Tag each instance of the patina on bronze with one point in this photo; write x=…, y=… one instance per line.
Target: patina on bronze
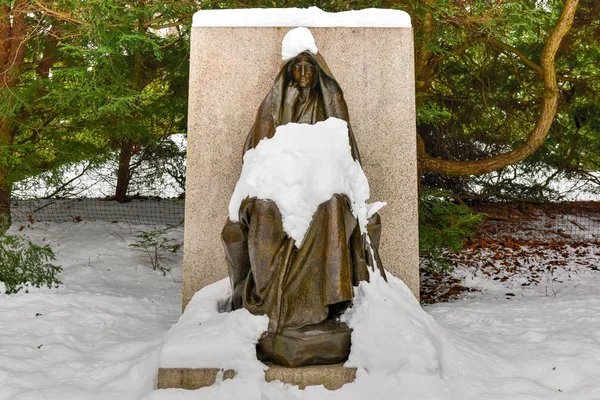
x=302, y=290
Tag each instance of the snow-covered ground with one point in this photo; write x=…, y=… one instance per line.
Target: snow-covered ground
x=100, y=334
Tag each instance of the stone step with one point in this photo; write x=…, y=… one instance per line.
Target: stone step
x=332, y=376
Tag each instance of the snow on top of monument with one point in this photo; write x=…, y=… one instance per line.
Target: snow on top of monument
x=299, y=168
x=296, y=41
x=309, y=17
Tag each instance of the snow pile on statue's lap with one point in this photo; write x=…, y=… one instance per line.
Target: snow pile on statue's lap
x=299, y=168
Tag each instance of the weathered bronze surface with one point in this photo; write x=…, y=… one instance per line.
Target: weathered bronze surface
x=302, y=291
x=324, y=343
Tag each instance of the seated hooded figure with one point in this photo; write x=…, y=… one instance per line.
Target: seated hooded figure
x=302, y=290
x=304, y=92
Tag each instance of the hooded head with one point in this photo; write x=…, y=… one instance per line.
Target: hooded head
x=301, y=68
x=330, y=95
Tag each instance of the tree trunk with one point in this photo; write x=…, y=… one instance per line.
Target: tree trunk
x=4, y=124
x=5, y=186
x=4, y=201
x=124, y=172
x=13, y=35
x=539, y=133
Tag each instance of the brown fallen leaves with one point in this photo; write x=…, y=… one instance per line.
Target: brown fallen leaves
x=510, y=258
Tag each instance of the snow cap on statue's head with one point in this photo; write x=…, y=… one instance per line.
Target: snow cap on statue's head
x=296, y=41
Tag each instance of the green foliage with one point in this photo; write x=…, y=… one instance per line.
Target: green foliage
x=155, y=244
x=119, y=73
x=4, y=222
x=99, y=74
x=23, y=264
x=478, y=94
x=443, y=225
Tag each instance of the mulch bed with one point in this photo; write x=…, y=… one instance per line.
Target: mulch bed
x=500, y=249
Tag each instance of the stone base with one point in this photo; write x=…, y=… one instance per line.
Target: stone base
x=331, y=376
x=322, y=344
x=190, y=378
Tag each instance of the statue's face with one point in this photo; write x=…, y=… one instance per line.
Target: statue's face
x=303, y=72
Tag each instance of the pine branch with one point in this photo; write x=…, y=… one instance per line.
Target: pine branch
x=501, y=45
x=159, y=23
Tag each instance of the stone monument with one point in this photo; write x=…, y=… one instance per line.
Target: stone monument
x=374, y=64
x=234, y=56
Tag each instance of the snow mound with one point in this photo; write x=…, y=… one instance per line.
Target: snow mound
x=296, y=41
x=206, y=338
x=299, y=168
x=391, y=334
x=396, y=347
x=390, y=330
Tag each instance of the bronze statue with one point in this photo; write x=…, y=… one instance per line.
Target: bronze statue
x=302, y=290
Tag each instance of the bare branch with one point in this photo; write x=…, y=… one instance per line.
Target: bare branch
x=161, y=22
x=67, y=183
x=63, y=16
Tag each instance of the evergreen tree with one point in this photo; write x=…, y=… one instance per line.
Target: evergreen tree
x=79, y=79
